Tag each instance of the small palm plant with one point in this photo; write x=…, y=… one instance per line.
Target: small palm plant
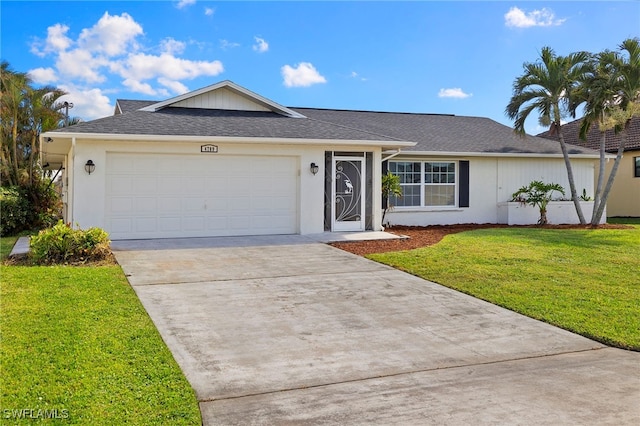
x=390, y=188
x=538, y=194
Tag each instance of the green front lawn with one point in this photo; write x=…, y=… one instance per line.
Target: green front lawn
x=585, y=281
x=624, y=220
x=77, y=343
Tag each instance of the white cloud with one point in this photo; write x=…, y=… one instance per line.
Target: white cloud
x=43, y=75
x=454, y=92
x=57, y=41
x=544, y=17
x=303, y=75
x=356, y=75
x=111, y=48
x=184, y=3
x=139, y=87
x=261, y=45
x=173, y=85
x=111, y=35
x=141, y=66
x=171, y=46
x=87, y=103
x=209, y=11
x=80, y=63
x=226, y=44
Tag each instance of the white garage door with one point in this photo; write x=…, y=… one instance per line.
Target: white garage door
x=165, y=196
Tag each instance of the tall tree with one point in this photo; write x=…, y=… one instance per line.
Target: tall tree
x=25, y=112
x=612, y=95
x=547, y=86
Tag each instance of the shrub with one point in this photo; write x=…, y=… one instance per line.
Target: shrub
x=28, y=207
x=45, y=205
x=537, y=194
x=63, y=244
x=14, y=210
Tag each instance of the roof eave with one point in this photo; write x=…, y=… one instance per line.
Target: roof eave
x=223, y=139
x=497, y=154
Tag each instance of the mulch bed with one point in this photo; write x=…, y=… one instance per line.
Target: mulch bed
x=423, y=236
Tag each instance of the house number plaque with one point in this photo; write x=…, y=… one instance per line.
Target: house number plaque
x=209, y=148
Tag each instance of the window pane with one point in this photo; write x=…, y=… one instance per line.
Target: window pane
x=410, y=196
x=637, y=172
x=440, y=172
x=408, y=172
x=439, y=195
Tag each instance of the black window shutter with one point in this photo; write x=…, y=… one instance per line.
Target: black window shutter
x=385, y=168
x=463, y=192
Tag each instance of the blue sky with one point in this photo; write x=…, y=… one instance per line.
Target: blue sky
x=457, y=57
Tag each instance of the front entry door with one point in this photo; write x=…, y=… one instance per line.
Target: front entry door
x=348, y=195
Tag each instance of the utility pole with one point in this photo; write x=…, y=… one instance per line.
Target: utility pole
x=67, y=106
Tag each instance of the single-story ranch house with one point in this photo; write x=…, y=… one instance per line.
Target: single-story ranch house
x=222, y=161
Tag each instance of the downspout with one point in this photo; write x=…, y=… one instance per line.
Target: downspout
x=71, y=188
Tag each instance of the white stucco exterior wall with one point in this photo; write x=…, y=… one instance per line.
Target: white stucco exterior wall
x=493, y=180
x=87, y=207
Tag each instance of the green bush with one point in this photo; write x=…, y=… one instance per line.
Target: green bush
x=14, y=210
x=28, y=207
x=45, y=205
x=63, y=244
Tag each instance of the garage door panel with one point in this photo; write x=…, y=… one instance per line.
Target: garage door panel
x=170, y=224
x=169, y=206
x=146, y=224
x=169, y=184
x=143, y=185
x=121, y=226
x=119, y=205
x=146, y=205
x=218, y=224
x=120, y=185
x=155, y=195
x=195, y=204
x=193, y=223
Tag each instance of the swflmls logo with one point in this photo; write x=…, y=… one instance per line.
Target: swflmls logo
x=32, y=413
x=209, y=148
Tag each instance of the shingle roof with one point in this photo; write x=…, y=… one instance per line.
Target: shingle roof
x=431, y=132
x=213, y=122
x=571, y=133
x=442, y=133
x=128, y=105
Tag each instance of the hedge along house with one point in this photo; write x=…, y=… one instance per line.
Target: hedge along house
x=222, y=161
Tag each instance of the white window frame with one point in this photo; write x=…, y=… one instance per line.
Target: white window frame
x=422, y=184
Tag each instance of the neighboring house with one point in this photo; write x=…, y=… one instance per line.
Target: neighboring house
x=624, y=198
x=223, y=160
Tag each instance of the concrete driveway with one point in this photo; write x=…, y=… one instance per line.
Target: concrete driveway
x=281, y=330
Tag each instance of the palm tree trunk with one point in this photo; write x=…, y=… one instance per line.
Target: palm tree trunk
x=572, y=183
x=14, y=149
x=605, y=194
x=543, y=217
x=597, y=197
x=4, y=162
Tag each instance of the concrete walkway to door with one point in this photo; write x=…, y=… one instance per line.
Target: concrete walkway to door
x=281, y=330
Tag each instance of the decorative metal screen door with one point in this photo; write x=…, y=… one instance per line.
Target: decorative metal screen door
x=348, y=195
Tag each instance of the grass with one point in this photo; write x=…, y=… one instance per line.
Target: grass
x=585, y=281
x=76, y=342
x=624, y=220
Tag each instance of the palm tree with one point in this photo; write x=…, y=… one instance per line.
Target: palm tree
x=12, y=89
x=547, y=86
x=25, y=112
x=612, y=95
